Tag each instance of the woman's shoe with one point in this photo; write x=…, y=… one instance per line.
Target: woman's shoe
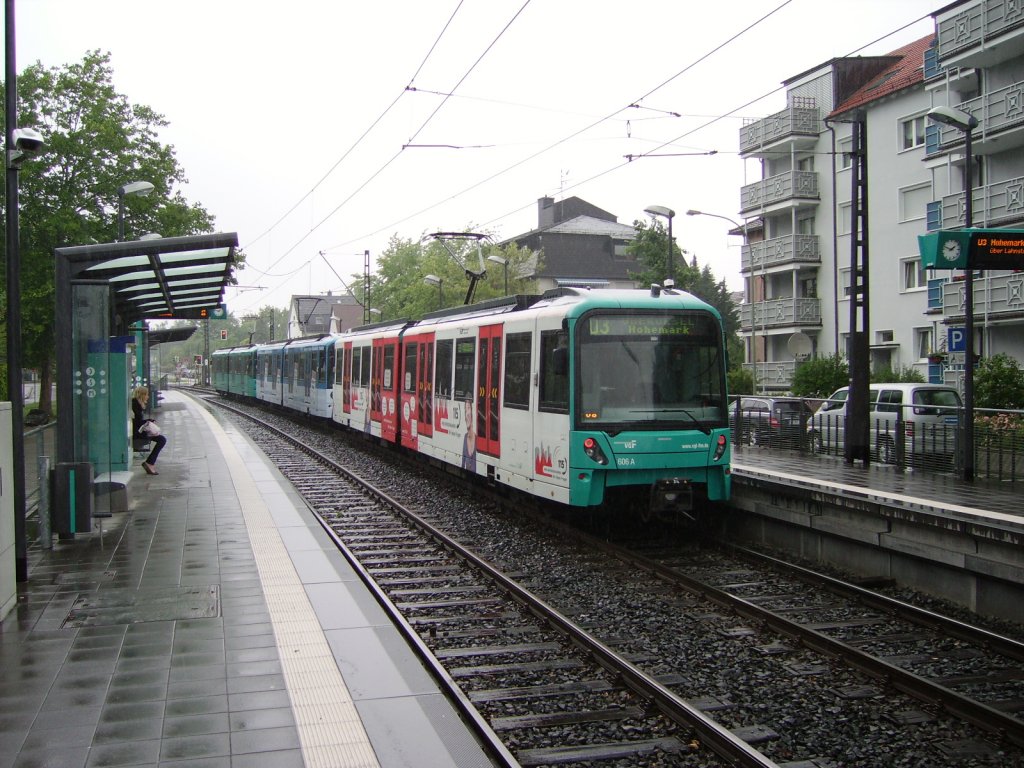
x=150, y=469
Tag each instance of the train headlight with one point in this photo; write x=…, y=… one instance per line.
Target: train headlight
x=593, y=451
x=720, y=448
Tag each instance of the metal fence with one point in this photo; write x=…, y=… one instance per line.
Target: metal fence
x=908, y=436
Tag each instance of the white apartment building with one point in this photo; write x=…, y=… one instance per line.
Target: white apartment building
x=797, y=278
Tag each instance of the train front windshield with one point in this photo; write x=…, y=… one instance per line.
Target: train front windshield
x=651, y=372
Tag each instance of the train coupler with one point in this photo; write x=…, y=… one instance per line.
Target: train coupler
x=672, y=494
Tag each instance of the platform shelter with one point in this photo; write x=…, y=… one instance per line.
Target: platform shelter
x=105, y=293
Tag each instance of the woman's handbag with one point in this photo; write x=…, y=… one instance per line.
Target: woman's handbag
x=150, y=429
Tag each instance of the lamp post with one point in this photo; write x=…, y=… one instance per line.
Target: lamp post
x=435, y=280
x=504, y=262
x=668, y=213
x=134, y=188
x=373, y=311
x=965, y=123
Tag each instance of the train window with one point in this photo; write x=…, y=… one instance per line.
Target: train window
x=445, y=363
x=409, y=369
x=517, y=369
x=554, y=386
x=364, y=369
x=465, y=368
x=339, y=365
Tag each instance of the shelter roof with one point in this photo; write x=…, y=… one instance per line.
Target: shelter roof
x=159, y=278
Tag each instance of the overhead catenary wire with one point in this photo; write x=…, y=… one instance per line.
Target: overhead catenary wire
x=634, y=104
x=419, y=130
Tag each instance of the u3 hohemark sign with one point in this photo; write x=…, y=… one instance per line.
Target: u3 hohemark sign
x=972, y=249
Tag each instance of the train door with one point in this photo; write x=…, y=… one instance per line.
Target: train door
x=425, y=386
x=410, y=378
x=488, y=391
x=385, y=368
x=417, y=388
x=346, y=378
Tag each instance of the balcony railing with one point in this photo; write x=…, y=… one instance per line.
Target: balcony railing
x=777, y=251
x=997, y=112
x=772, y=376
x=779, y=313
x=791, y=185
x=792, y=121
x=994, y=295
x=998, y=204
x=977, y=25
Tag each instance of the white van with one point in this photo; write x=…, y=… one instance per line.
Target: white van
x=919, y=420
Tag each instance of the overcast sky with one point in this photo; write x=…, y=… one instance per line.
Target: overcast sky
x=296, y=130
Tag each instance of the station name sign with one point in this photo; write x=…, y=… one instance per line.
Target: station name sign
x=972, y=248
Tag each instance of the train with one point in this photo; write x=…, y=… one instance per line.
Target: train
x=587, y=398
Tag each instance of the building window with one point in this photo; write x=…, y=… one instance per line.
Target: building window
x=845, y=218
x=913, y=201
x=912, y=132
x=844, y=283
x=805, y=226
x=883, y=337
x=843, y=149
x=914, y=275
x=922, y=342
x=805, y=164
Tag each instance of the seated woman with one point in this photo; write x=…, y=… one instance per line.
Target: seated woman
x=140, y=399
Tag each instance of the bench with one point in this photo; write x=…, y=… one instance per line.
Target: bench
x=116, y=485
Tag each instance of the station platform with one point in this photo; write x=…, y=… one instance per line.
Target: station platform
x=996, y=501
x=212, y=624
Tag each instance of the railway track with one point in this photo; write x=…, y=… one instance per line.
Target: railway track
x=540, y=689
x=698, y=633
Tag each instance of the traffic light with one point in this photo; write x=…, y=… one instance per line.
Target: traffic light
x=224, y=334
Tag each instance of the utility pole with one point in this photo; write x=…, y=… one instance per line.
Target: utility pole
x=856, y=445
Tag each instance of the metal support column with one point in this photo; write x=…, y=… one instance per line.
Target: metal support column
x=857, y=444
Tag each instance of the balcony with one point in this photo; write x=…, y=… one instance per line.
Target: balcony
x=789, y=187
x=797, y=125
x=780, y=313
x=772, y=376
x=935, y=299
x=995, y=296
x=780, y=251
x=1000, y=204
x=1000, y=115
x=983, y=34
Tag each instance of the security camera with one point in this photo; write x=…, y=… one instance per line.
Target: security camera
x=28, y=140
x=25, y=143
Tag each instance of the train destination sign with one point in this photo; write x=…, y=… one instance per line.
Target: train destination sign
x=972, y=248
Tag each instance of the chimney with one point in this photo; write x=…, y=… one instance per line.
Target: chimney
x=545, y=212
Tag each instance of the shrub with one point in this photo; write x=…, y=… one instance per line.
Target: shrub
x=999, y=383
x=821, y=376
x=740, y=381
x=889, y=376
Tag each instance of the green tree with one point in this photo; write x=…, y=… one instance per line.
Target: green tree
x=96, y=141
x=821, y=376
x=999, y=383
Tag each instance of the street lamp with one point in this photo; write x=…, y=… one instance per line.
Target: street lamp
x=435, y=280
x=134, y=188
x=753, y=319
x=965, y=123
x=668, y=213
x=504, y=262
x=377, y=312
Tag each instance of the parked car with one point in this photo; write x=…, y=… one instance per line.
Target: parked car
x=771, y=421
x=918, y=421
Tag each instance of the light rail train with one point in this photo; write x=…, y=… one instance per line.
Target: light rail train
x=583, y=397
